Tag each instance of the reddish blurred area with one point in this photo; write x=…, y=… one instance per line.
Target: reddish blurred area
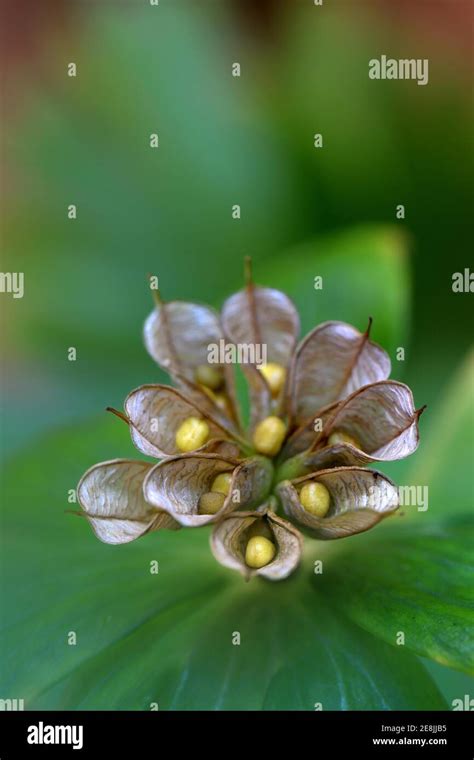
x=27, y=27
x=447, y=22
x=27, y=24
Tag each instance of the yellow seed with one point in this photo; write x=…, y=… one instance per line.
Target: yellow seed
x=269, y=436
x=191, y=434
x=221, y=484
x=220, y=399
x=259, y=552
x=339, y=436
x=275, y=375
x=210, y=503
x=209, y=376
x=315, y=498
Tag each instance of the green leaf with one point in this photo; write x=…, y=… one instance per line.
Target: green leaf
x=356, y=268
x=444, y=461
x=167, y=638
x=415, y=580
x=453, y=684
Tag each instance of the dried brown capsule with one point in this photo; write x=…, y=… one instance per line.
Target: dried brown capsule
x=231, y=536
x=381, y=418
x=157, y=413
x=178, y=484
x=333, y=361
x=262, y=317
x=304, y=436
x=111, y=495
x=177, y=335
x=359, y=499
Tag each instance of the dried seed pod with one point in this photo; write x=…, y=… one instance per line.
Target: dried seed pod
x=259, y=394
x=261, y=527
x=263, y=316
x=257, y=316
x=359, y=498
x=340, y=436
x=221, y=405
x=111, y=495
x=178, y=484
x=381, y=417
x=231, y=536
x=156, y=413
x=339, y=455
x=332, y=362
x=308, y=432
x=177, y=335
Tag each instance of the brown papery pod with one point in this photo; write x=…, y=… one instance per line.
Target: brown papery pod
x=111, y=496
x=259, y=395
x=177, y=485
x=303, y=437
x=224, y=414
x=177, y=335
x=257, y=316
x=359, y=499
x=230, y=536
x=381, y=417
x=338, y=455
x=330, y=363
x=155, y=413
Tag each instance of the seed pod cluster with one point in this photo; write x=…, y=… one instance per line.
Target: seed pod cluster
x=320, y=411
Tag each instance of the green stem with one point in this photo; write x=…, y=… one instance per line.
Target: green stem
x=292, y=468
x=267, y=465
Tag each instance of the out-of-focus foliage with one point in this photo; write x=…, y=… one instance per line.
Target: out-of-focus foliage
x=415, y=581
x=223, y=141
x=167, y=638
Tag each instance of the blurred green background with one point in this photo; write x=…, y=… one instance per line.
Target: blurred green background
x=225, y=141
